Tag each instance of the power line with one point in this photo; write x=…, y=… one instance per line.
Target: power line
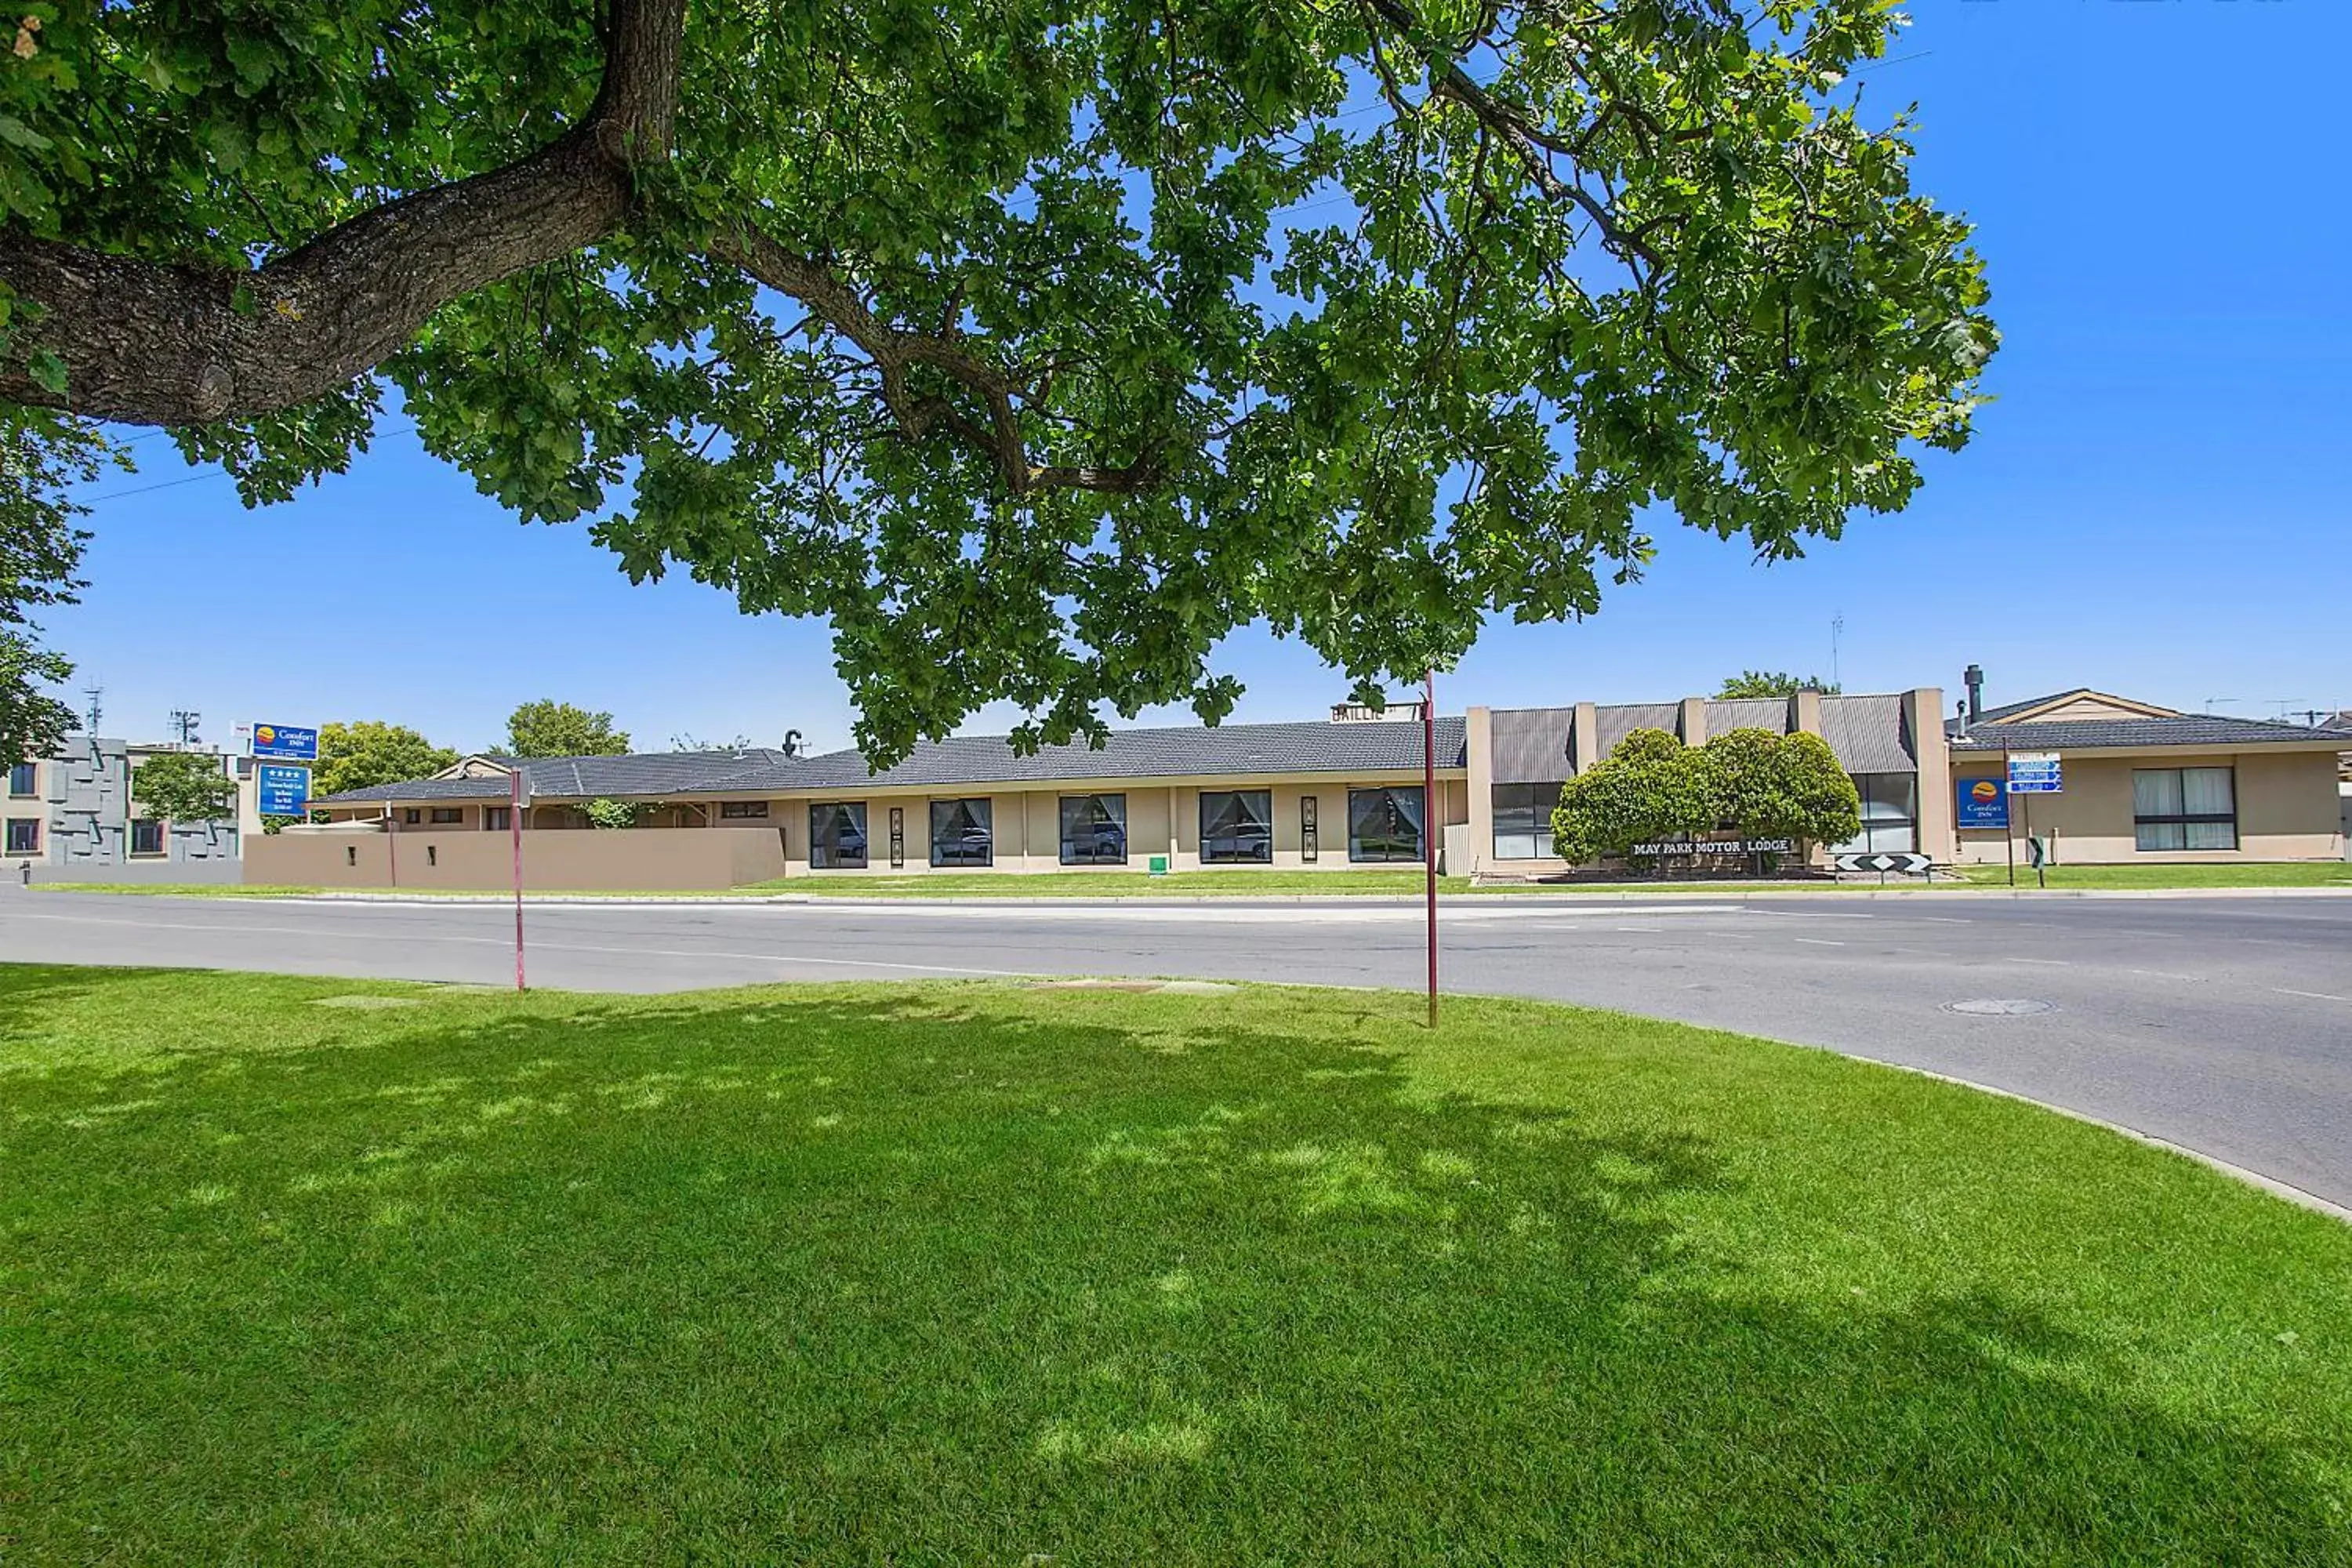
x=215, y=472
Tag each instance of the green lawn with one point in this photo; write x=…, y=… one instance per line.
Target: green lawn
x=2250, y=874
x=299, y=1271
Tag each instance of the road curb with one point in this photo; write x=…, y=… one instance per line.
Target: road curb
x=2270, y=1184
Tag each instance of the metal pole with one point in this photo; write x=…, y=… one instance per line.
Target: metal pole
x=1429, y=817
x=514, y=828
x=2007, y=829
x=2041, y=878
x=390, y=845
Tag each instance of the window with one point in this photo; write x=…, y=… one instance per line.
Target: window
x=2185, y=808
x=1890, y=815
x=1236, y=827
x=1523, y=820
x=750, y=811
x=23, y=835
x=412, y=816
x=1384, y=824
x=24, y=778
x=1094, y=830
x=837, y=835
x=146, y=837
x=496, y=819
x=963, y=832
x=448, y=813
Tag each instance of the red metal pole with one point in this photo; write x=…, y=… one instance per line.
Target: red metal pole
x=1430, y=818
x=514, y=828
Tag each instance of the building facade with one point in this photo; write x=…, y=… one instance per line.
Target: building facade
x=79, y=808
x=2142, y=785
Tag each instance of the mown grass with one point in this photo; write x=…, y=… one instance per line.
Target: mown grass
x=2247, y=874
x=296, y=1270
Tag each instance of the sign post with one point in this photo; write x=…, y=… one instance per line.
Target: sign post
x=2031, y=773
x=515, y=799
x=1429, y=820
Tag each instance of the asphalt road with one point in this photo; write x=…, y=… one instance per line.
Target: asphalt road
x=2222, y=1024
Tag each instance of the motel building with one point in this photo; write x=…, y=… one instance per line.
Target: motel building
x=2140, y=784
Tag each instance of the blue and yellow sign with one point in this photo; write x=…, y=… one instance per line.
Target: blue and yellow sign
x=1982, y=802
x=291, y=743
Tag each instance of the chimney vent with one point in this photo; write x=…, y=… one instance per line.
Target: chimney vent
x=1975, y=678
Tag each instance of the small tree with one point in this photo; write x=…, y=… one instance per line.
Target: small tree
x=550, y=729
x=369, y=752
x=1771, y=683
x=611, y=813
x=183, y=786
x=1649, y=787
x=1768, y=785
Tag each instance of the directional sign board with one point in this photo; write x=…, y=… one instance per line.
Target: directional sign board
x=1905, y=863
x=288, y=742
x=282, y=790
x=2035, y=772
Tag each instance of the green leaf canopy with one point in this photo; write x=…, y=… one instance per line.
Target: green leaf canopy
x=1036, y=344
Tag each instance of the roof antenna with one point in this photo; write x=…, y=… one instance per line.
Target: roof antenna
x=1837, y=630
x=94, y=693
x=792, y=742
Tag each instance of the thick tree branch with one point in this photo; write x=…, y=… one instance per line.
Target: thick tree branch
x=251, y=342
x=894, y=351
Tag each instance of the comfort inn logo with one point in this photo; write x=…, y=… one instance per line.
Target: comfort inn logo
x=1984, y=791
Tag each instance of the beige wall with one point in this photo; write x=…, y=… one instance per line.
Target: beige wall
x=623, y=858
x=2288, y=809
x=1161, y=819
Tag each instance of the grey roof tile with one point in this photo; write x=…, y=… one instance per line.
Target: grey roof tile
x=2185, y=730
x=1315, y=747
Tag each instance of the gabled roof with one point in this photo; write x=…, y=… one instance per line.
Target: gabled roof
x=1191, y=751
x=581, y=778
x=2025, y=712
x=2209, y=729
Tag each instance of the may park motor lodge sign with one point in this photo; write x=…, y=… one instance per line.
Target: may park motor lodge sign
x=1703, y=848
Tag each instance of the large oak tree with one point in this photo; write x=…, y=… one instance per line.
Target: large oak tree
x=1036, y=343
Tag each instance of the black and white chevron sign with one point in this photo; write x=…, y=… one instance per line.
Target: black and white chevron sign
x=1907, y=863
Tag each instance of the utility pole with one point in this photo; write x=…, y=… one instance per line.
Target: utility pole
x=1430, y=819
x=183, y=724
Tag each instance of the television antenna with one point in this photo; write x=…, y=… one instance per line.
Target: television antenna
x=1837, y=630
x=94, y=693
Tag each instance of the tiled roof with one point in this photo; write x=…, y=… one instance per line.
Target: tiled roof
x=1316, y=747
x=587, y=778
x=2187, y=730
x=1378, y=747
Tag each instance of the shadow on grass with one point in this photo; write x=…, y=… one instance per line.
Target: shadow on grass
x=792, y=1277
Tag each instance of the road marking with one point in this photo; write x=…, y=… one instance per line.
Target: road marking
x=2162, y=974
x=2053, y=962
x=1637, y=927
x=540, y=946
x=1817, y=942
x=1946, y=921
x=2315, y=995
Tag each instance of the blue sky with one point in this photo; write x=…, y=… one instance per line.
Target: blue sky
x=2149, y=506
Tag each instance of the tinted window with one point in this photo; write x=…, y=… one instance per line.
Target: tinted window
x=20, y=778
x=147, y=836
x=963, y=832
x=1523, y=820
x=742, y=810
x=1890, y=813
x=838, y=835
x=24, y=834
x=448, y=814
x=2185, y=808
x=1094, y=830
x=1384, y=824
x=1236, y=827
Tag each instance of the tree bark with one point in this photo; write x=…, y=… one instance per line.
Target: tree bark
x=153, y=343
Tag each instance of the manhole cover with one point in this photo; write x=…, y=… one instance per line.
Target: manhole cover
x=2000, y=1007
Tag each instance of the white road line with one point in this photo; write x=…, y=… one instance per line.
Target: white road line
x=2162, y=974
x=2052, y=963
x=1817, y=942
x=530, y=946
x=1946, y=921
x=1637, y=927
x=2315, y=995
